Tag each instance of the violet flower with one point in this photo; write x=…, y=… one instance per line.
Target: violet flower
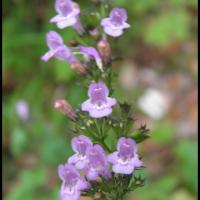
x=57, y=48
x=68, y=12
x=116, y=22
x=72, y=182
x=22, y=110
x=99, y=104
x=125, y=159
x=80, y=145
x=98, y=164
x=91, y=52
x=78, y=27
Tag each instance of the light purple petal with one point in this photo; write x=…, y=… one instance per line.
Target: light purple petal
x=56, y=19
x=69, y=194
x=98, y=85
x=126, y=141
x=53, y=39
x=118, y=14
x=100, y=149
x=80, y=143
x=91, y=174
x=48, y=55
x=100, y=113
x=113, y=32
x=73, y=159
x=61, y=169
x=111, y=101
x=137, y=162
x=106, y=22
x=63, y=53
x=90, y=51
x=126, y=25
x=98, y=164
x=123, y=169
x=63, y=7
x=83, y=185
x=65, y=22
x=113, y=157
x=81, y=164
x=78, y=27
x=67, y=171
x=86, y=106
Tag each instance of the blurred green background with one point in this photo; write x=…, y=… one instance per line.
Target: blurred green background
x=159, y=67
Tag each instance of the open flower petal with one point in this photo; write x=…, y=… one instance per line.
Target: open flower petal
x=99, y=104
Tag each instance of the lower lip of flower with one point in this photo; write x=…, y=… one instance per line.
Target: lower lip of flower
x=123, y=162
x=69, y=190
x=82, y=157
x=95, y=168
x=99, y=105
x=69, y=15
x=116, y=26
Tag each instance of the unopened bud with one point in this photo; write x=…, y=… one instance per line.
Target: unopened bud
x=64, y=107
x=78, y=67
x=104, y=50
x=94, y=33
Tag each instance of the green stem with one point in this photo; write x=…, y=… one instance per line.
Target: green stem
x=98, y=128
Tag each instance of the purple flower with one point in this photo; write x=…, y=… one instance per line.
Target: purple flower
x=78, y=27
x=72, y=182
x=99, y=104
x=91, y=52
x=98, y=164
x=22, y=109
x=80, y=145
x=57, y=48
x=116, y=22
x=68, y=12
x=125, y=159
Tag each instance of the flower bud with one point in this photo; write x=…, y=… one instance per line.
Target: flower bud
x=104, y=50
x=64, y=107
x=78, y=67
x=94, y=33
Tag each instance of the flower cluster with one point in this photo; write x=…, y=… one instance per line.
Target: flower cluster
x=61, y=51
x=95, y=160
x=92, y=160
x=68, y=15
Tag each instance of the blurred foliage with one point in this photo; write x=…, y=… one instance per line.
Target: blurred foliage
x=43, y=139
x=186, y=152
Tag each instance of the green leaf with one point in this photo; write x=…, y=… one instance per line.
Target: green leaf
x=111, y=140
